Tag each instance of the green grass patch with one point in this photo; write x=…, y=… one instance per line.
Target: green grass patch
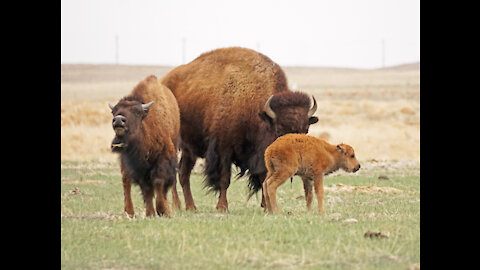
x=95, y=234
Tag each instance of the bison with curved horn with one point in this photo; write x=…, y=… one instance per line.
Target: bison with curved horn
x=233, y=103
x=146, y=136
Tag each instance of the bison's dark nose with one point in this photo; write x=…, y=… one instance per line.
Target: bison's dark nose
x=119, y=121
x=357, y=168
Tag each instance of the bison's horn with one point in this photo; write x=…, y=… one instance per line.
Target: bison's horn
x=111, y=106
x=268, y=109
x=145, y=106
x=314, y=108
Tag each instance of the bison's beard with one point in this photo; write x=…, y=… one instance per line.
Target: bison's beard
x=117, y=144
x=120, y=131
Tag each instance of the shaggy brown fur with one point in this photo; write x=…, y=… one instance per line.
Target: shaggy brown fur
x=308, y=157
x=146, y=139
x=222, y=96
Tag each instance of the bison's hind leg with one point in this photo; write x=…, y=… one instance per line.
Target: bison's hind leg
x=172, y=175
x=176, y=204
x=218, y=170
x=187, y=162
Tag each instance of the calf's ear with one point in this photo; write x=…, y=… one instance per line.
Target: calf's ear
x=340, y=149
x=312, y=120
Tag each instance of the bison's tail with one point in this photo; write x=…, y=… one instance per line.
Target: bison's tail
x=255, y=179
x=212, y=172
x=255, y=182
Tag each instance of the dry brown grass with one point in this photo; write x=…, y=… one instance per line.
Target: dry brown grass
x=339, y=187
x=375, y=111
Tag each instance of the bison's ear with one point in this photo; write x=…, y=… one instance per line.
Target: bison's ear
x=264, y=116
x=312, y=120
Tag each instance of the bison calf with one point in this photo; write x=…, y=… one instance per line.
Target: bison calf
x=147, y=126
x=308, y=157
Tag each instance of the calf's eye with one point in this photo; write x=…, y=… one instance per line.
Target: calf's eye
x=352, y=156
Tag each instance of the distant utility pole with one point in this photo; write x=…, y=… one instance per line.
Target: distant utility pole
x=116, y=49
x=383, y=53
x=184, y=48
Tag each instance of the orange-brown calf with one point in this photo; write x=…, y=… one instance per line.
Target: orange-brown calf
x=310, y=158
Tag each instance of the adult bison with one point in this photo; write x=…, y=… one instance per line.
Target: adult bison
x=146, y=125
x=233, y=103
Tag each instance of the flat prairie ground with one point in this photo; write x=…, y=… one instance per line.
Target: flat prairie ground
x=375, y=111
x=95, y=233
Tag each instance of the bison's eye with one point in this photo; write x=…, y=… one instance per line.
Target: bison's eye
x=352, y=156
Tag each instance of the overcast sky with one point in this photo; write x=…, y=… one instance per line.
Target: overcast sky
x=339, y=33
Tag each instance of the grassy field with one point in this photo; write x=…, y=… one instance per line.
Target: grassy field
x=95, y=234
x=376, y=111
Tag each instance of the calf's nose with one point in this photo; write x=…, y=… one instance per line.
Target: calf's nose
x=357, y=168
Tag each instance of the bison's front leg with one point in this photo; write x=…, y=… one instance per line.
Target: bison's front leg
x=148, y=198
x=128, y=204
x=163, y=209
x=222, y=204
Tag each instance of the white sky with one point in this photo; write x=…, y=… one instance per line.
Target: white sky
x=340, y=33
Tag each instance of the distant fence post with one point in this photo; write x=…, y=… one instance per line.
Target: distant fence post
x=116, y=49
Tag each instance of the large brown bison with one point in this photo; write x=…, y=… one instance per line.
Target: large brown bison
x=146, y=125
x=233, y=103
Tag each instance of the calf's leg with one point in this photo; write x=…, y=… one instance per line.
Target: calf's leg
x=268, y=206
x=272, y=183
x=318, y=184
x=308, y=186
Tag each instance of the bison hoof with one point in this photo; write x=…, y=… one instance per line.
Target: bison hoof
x=222, y=208
x=177, y=206
x=191, y=207
x=164, y=214
x=129, y=215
